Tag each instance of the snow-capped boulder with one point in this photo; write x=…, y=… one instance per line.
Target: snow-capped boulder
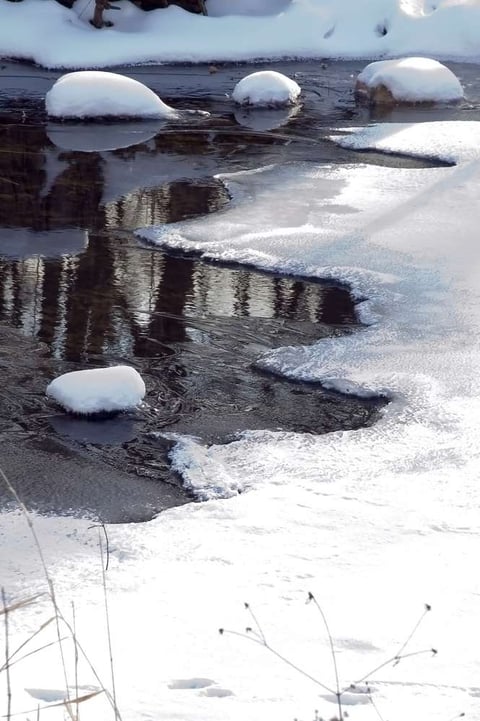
x=407, y=80
x=98, y=390
x=267, y=88
x=96, y=93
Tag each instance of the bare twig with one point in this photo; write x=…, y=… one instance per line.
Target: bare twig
x=276, y=653
x=32, y=653
x=75, y=659
x=107, y=618
x=256, y=635
x=7, y=655
x=107, y=546
x=51, y=588
x=427, y=608
x=64, y=703
x=338, y=692
x=25, y=643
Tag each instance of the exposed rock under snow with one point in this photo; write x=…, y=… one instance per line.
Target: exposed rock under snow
x=407, y=80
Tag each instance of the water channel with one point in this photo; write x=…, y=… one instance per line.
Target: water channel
x=79, y=290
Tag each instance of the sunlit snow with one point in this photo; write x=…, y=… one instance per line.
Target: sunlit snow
x=97, y=390
x=95, y=93
x=239, y=30
x=374, y=522
x=266, y=88
x=410, y=80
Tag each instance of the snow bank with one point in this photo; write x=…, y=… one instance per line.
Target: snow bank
x=266, y=88
x=98, y=390
x=408, y=80
x=94, y=93
x=239, y=31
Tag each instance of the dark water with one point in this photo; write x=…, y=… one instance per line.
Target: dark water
x=78, y=290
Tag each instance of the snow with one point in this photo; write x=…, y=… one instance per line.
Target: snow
x=374, y=522
x=266, y=88
x=237, y=30
x=412, y=80
x=98, y=390
x=94, y=93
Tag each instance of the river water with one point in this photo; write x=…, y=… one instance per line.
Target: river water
x=79, y=290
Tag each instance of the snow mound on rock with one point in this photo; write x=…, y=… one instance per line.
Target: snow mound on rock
x=266, y=88
x=408, y=80
x=98, y=390
x=96, y=93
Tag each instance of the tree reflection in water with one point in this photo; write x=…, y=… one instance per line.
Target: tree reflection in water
x=96, y=296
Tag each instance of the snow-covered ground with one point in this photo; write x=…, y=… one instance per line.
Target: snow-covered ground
x=54, y=36
x=374, y=522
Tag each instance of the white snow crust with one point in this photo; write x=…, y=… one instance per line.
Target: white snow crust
x=413, y=80
x=97, y=390
x=96, y=93
x=239, y=30
x=374, y=522
x=266, y=88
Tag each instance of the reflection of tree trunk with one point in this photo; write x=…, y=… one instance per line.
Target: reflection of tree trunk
x=3, y=273
x=76, y=194
x=287, y=300
x=16, y=316
x=22, y=175
x=91, y=297
x=167, y=323
x=176, y=285
x=241, y=294
x=50, y=313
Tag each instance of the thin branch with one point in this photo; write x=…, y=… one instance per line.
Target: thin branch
x=7, y=655
x=53, y=598
x=107, y=617
x=35, y=650
x=260, y=633
x=25, y=643
x=393, y=660
x=64, y=703
x=75, y=659
x=338, y=693
x=107, y=547
x=223, y=631
x=427, y=609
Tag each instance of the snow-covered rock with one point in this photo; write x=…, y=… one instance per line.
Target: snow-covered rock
x=407, y=80
x=98, y=390
x=266, y=88
x=96, y=93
